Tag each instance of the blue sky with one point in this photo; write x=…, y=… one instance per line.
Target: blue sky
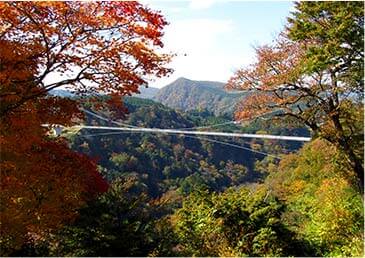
x=213, y=38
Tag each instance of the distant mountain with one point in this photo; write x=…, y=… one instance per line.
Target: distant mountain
x=146, y=93
x=185, y=94
x=61, y=93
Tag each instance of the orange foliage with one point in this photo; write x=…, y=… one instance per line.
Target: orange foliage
x=275, y=80
x=90, y=47
x=43, y=182
x=287, y=81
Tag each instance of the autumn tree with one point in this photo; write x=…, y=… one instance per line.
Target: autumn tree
x=94, y=47
x=43, y=183
x=313, y=74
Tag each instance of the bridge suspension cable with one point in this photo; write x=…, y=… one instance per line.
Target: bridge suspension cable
x=132, y=128
x=174, y=131
x=237, y=122
x=106, y=119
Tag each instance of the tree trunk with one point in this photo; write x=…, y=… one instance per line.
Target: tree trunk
x=355, y=162
x=356, y=165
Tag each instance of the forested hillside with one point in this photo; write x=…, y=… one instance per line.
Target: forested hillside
x=174, y=195
x=107, y=192
x=176, y=162
x=185, y=94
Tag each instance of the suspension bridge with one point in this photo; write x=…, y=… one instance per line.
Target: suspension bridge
x=134, y=129
x=122, y=128
x=203, y=133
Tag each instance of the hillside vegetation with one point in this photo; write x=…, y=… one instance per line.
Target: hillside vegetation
x=170, y=162
x=101, y=192
x=185, y=94
x=171, y=195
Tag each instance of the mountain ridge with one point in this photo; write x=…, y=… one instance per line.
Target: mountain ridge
x=186, y=94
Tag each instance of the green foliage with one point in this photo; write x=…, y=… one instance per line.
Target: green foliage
x=123, y=161
x=323, y=206
x=119, y=223
x=337, y=219
x=187, y=95
x=338, y=28
x=167, y=162
x=332, y=37
x=238, y=222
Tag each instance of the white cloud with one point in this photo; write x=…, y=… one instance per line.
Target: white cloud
x=214, y=47
x=200, y=49
x=196, y=35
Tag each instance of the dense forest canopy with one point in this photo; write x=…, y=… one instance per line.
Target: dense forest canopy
x=102, y=193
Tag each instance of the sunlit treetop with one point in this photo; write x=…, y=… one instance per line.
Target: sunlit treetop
x=90, y=47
